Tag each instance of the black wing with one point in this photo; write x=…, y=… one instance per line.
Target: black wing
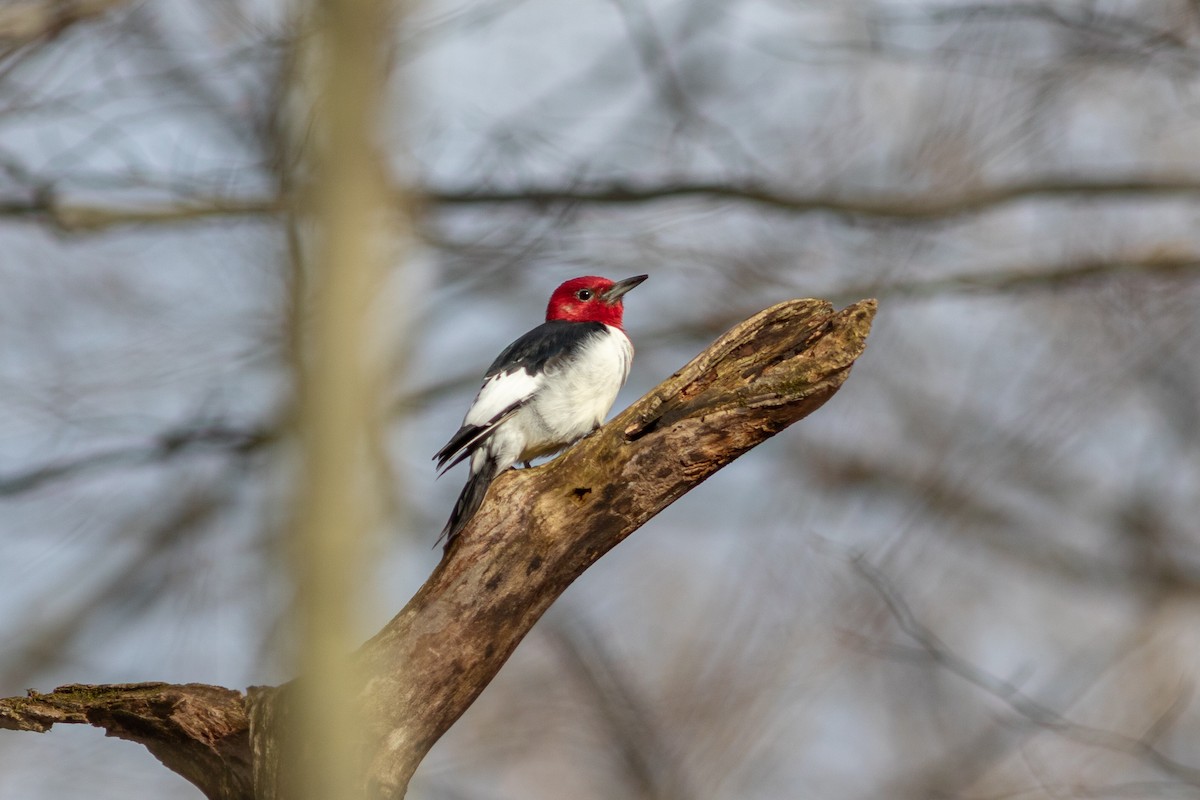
x=545, y=344
x=535, y=352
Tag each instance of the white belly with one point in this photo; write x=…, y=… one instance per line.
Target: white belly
x=577, y=395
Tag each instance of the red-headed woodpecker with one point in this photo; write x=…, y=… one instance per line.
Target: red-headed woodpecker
x=546, y=390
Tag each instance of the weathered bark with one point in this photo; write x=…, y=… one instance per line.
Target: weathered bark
x=538, y=530
x=200, y=732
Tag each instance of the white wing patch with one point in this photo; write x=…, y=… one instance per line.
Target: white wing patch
x=499, y=393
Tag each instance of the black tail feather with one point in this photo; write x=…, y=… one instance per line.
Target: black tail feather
x=457, y=442
x=471, y=437
x=469, y=500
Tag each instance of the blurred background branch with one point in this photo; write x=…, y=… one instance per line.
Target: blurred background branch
x=942, y=206
x=22, y=21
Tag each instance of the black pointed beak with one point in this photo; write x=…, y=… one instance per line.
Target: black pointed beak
x=618, y=289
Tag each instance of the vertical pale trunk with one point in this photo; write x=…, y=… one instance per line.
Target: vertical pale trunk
x=346, y=210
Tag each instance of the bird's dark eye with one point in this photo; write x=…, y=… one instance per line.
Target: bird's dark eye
x=584, y=294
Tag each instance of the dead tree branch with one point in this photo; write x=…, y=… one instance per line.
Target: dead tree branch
x=538, y=530
x=200, y=732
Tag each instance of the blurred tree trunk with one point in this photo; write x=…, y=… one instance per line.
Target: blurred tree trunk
x=345, y=216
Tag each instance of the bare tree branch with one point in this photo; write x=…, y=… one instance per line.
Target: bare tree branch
x=198, y=731
x=1027, y=279
x=945, y=204
x=1009, y=693
x=936, y=206
x=538, y=530
x=81, y=218
x=165, y=446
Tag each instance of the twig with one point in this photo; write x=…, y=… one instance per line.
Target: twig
x=1025, y=706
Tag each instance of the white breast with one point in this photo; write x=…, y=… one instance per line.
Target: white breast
x=578, y=394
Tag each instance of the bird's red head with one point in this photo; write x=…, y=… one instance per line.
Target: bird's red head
x=590, y=299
